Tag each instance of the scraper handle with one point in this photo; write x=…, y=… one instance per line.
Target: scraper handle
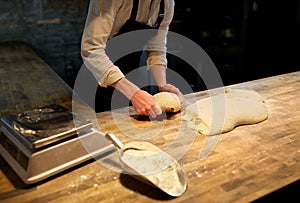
x=113, y=138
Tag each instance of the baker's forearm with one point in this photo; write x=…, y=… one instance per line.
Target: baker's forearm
x=159, y=74
x=126, y=87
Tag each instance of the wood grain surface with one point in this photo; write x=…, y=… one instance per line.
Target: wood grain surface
x=247, y=163
x=26, y=81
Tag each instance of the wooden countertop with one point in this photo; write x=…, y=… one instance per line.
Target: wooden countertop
x=27, y=82
x=247, y=163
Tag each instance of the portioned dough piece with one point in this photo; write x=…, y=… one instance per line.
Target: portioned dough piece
x=222, y=113
x=168, y=101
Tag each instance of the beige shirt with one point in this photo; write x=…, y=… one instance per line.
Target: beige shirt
x=105, y=18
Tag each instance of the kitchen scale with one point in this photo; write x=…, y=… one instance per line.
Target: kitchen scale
x=42, y=142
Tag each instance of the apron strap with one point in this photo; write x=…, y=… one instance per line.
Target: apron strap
x=134, y=9
x=160, y=16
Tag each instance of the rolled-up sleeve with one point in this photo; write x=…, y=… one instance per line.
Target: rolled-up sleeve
x=98, y=27
x=157, y=48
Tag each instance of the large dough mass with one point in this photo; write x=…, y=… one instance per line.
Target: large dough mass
x=223, y=112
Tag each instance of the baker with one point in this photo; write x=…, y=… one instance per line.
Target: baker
x=109, y=18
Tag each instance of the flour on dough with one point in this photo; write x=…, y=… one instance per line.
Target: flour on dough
x=223, y=112
x=168, y=101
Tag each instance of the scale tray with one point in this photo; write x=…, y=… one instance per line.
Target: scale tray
x=45, y=125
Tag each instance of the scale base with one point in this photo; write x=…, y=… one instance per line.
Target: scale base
x=33, y=167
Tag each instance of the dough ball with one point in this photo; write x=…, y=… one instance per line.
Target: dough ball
x=169, y=102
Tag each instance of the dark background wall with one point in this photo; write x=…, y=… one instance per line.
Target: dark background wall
x=246, y=39
x=52, y=28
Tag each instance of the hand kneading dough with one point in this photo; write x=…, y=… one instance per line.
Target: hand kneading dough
x=236, y=107
x=169, y=102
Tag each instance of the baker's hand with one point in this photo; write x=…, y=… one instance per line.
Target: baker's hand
x=144, y=104
x=175, y=90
